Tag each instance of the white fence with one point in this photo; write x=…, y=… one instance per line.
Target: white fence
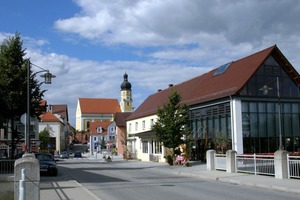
x=256, y=164
x=293, y=166
x=259, y=164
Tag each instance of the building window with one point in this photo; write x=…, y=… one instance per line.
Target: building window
x=87, y=125
x=143, y=125
x=152, y=123
x=99, y=129
x=145, y=146
x=136, y=126
x=129, y=128
x=111, y=137
x=157, y=147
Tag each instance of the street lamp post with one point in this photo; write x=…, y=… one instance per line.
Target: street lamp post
x=265, y=90
x=47, y=76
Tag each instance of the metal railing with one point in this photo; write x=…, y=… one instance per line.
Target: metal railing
x=293, y=166
x=256, y=164
x=260, y=164
x=7, y=166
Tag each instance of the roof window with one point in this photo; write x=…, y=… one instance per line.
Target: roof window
x=222, y=69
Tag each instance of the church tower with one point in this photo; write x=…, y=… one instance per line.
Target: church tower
x=126, y=96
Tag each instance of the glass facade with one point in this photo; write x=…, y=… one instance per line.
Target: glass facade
x=212, y=120
x=261, y=131
x=274, y=97
x=206, y=124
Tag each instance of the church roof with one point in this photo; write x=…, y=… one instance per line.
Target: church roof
x=99, y=106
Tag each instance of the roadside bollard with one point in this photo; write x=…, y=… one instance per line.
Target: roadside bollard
x=22, y=186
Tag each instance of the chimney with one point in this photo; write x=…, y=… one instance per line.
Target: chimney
x=171, y=85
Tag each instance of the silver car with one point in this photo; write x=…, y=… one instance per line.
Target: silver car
x=64, y=155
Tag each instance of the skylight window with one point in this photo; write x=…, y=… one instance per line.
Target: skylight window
x=222, y=69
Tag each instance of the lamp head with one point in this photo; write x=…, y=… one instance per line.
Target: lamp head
x=48, y=76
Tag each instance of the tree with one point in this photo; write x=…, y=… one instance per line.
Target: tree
x=103, y=144
x=44, y=137
x=13, y=85
x=171, y=125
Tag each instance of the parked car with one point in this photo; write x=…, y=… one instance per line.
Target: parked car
x=47, y=164
x=77, y=154
x=64, y=154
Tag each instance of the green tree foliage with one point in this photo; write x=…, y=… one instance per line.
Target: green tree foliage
x=13, y=85
x=171, y=125
x=12, y=78
x=44, y=137
x=102, y=143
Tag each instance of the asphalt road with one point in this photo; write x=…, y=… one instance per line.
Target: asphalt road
x=147, y=181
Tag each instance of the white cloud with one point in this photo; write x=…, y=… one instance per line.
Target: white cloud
x=180, y=22
x=186, y=39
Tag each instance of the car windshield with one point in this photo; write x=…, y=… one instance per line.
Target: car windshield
x=42, y=157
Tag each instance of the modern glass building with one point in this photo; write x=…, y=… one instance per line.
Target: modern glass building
x=250, y=105
x=261, y=115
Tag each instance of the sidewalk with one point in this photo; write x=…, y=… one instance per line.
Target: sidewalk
x=62, y=190
x=267, y=182
x=72, y=190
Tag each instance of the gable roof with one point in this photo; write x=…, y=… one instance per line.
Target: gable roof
x=209, y=86
x=61, y=110
x=49, y=117
x=99, y=106
x=95, y=125
x=120, y=118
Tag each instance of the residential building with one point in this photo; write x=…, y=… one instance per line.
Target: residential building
x=54, y=124
x=62, y=111
x=254, y=101
x=121, y=137
x=6, y=133
x=102, y=136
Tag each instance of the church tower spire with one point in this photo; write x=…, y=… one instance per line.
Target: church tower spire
x=126, y=95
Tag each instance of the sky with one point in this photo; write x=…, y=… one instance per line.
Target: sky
x=89, y=44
